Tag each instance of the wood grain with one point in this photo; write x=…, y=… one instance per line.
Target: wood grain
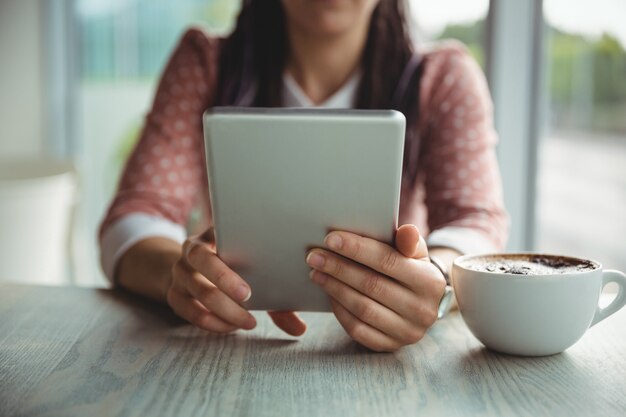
x=84, y=352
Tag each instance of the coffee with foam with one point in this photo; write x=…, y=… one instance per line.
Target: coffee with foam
x=529, y=264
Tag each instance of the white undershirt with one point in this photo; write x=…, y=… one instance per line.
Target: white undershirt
x=132, y=228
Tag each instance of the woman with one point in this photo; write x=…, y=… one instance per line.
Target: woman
x=344, y=53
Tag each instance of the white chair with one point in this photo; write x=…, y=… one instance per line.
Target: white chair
x=36, y=202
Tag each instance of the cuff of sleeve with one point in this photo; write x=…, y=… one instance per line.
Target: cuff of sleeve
x=127, y=231
x=462, y=239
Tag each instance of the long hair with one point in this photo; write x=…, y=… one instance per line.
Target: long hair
x=253, y=58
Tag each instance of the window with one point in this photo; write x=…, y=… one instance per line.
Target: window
x=453, y=19
x=123, y=47
x=581, y=202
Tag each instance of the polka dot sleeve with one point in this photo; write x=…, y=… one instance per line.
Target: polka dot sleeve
x=166, y=169
x=461, y=175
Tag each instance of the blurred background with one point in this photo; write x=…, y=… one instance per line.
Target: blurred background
x=78, y=76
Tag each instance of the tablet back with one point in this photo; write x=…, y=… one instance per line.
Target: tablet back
x=281, y=179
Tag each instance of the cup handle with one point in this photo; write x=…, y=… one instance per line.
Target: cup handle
x=620, y=279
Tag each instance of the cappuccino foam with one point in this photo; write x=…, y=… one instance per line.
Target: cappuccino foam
x=529, y=264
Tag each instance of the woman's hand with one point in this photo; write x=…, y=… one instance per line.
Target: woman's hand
x=208, y=294
x=384, y=297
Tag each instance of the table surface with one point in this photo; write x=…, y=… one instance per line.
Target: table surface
x=86, y=352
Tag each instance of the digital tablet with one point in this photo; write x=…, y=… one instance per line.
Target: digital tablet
x=281, y=179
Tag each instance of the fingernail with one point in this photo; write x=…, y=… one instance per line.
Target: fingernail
x=250, y=323
x=243, y=293
x=315, y=260
x=333, y=241
x=318, y=277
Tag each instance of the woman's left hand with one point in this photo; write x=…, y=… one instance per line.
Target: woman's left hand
x=384, y=297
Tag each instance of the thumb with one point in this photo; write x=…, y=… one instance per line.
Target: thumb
x=410, y=243
x=289, y=322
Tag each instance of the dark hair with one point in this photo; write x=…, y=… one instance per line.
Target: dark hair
x=253, y=58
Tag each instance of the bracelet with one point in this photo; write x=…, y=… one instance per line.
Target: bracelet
x=445, y=304
x=441, y=266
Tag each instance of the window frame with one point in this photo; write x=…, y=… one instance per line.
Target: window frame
x=515, y=53
x=62, y=78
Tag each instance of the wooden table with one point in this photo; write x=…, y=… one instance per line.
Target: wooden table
x=85, y=352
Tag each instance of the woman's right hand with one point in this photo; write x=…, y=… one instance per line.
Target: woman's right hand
x=208, y=294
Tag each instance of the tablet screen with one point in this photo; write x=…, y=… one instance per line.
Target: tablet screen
x=281, y=179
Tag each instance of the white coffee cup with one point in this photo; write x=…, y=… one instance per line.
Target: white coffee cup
x=532, y=315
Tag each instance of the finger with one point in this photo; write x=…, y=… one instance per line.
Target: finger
x=410, y=243
x=374, y=254
x=200, y=257
x=407, y=240
x=361, y=332
x=195, y=313
x=289, y=322
x=387, y=292
x=369, y=311
x=418, y=276
x=200, y=288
